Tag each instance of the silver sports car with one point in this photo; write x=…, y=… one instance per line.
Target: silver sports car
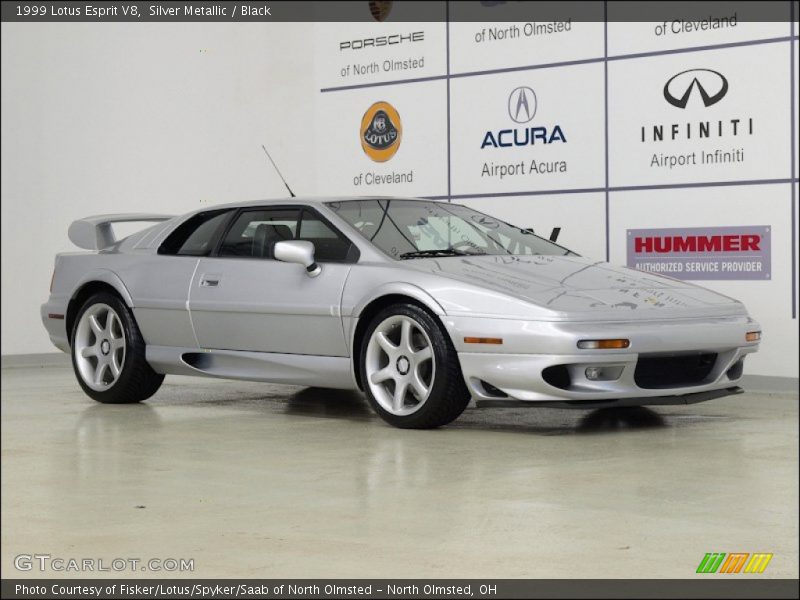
x=423, y=305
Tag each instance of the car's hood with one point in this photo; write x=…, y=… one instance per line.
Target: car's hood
x=577, y=287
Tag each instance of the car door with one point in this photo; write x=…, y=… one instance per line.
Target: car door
x=160, y=282
x=241, y=298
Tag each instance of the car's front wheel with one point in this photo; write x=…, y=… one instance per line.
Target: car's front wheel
x=410, y=370
x=108, y=353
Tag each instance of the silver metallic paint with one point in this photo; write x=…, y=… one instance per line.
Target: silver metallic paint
x=300, y=252
x=267, y=320
x=96, y=233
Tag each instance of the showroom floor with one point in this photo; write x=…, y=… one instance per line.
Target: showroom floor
x=254, y=480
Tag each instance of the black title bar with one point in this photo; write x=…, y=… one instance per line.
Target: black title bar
x=398, y=11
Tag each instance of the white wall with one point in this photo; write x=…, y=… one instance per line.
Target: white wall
x=165, y=117
x=130, y=117
x=568, y=71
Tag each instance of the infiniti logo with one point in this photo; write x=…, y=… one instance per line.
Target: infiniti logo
x=711, y=85
x=522, y=104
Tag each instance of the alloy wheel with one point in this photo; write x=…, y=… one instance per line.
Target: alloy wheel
x=400, y=365
x=99, y=347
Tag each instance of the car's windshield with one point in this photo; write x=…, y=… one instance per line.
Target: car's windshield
x=407, y=229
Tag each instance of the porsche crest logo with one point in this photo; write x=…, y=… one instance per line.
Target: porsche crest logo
x=381, y=131
x=380, y=10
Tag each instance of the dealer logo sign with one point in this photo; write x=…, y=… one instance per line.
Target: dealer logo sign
x=702, y=252
x=380, y=10
x=522, y=104
x=381, y=131
x=711, y=86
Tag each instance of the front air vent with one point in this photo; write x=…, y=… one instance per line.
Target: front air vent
x=736, y=371
x=682, y=370
x=557, y=376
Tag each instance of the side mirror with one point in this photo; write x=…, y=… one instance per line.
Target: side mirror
x=300, y=252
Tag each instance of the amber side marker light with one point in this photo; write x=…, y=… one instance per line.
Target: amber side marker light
x=753, y=336
x=480, y=340
x=603, y=344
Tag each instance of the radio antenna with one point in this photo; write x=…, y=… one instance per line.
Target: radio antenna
x=291, y=193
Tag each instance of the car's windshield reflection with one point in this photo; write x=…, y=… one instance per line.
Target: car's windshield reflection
x=407, y=229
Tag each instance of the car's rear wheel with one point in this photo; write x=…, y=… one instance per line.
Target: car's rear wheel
x=410, y=369
x=108, y=353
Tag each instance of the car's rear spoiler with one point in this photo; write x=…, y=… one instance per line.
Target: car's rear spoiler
x=95, y=233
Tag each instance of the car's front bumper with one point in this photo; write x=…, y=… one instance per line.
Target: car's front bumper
x=514, y=369
x=680, y=399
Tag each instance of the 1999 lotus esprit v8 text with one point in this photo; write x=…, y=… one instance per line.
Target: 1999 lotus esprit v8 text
x=421, y=304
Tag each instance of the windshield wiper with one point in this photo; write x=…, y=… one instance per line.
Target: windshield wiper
x=436, y=252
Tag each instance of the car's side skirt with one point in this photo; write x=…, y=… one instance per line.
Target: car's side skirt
x=292, y=369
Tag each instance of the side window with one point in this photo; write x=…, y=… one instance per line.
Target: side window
x=254, y=232
x=196, y=236
x=329, y=244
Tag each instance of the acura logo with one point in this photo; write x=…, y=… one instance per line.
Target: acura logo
x=711, y=85
x=522, y=104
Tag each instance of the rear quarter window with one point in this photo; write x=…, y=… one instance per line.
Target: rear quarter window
x=197, y=235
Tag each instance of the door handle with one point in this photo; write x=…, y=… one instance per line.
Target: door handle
x=209, y=281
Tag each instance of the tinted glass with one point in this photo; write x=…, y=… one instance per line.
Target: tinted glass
x=329, y=244
x=196, y=236
x=414, y=228
x=255, y=232
x=201, y=240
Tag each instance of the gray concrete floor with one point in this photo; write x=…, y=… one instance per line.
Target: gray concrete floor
x=274, y=481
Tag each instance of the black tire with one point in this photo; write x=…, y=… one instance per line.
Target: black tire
x=448, y=395
x=137, y=380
